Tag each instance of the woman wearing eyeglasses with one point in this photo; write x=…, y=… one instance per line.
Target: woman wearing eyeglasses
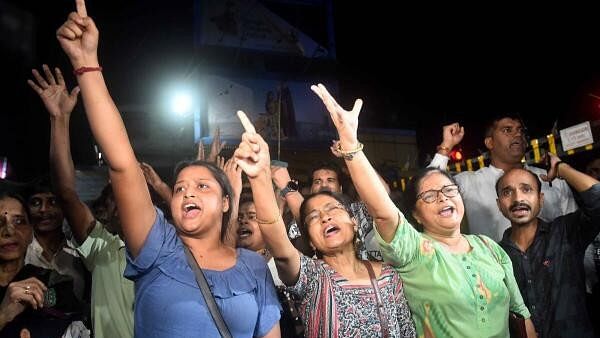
x=456, y=285
x=336, y=291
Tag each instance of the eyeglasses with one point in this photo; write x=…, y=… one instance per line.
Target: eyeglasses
x=431, y=196
x=329, y=210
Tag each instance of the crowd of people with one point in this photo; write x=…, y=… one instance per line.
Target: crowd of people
x=507, y=250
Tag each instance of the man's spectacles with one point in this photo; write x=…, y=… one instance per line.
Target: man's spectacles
x=431, y=196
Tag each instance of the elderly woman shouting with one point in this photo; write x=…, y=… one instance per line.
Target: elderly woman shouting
x=456, y=285
x=341, y=295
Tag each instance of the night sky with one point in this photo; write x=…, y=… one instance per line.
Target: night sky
x=416, y=67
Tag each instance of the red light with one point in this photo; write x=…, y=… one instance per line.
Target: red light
x=456, y=155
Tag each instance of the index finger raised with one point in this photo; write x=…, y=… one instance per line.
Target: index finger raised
x=81, y=10
x=246, y=122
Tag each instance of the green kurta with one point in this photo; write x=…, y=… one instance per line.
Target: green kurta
x=454, y=295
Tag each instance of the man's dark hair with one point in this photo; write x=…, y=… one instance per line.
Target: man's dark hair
x=327, y=165
x=493, y=121
x=535, y=177
x=38, y=186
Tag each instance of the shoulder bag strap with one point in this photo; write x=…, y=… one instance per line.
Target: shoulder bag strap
x=207, y=294
x=380, y=308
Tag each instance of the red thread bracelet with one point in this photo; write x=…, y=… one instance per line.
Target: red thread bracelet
x=82, y=70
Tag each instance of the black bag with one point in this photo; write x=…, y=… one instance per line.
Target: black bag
x=291, y=324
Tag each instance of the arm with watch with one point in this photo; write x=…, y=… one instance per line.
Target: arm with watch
x=288, y=190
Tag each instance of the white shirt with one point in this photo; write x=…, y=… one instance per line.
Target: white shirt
x=66, y=262
x=478, y=190
x=273, y=269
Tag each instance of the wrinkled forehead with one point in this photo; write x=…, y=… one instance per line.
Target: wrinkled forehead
x=517, y=177
x=324, y=174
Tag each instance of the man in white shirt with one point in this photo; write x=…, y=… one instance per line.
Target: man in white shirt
x=505, y=140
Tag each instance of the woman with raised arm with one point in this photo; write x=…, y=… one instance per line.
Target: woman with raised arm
x=168, y=301
x=456, y=285
x=342, y=296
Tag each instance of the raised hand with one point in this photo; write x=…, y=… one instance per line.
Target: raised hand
x=552, y=169
x=78, y=37
x=200, y=155
x=19, y=295
x=252, y=155
x=346, y=122
x=234, y=174
x=335, y=149
x=280, y=176
x=216, y=146
x=152, y=178
x=150, y=175
x=220, y=162
x=452, y=135
x=53, y=92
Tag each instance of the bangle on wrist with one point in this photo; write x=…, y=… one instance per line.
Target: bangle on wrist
x=274, y=220
x=82, y=70
x=443, y=148
x=349, y=154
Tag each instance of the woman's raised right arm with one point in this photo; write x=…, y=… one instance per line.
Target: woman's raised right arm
x=253, y=157
x=78, y=37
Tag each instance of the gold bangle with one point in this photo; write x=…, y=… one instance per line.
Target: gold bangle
x=260, y=221
x=444, y=148
x=349, y=154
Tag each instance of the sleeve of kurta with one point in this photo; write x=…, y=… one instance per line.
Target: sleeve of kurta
x=405, y=248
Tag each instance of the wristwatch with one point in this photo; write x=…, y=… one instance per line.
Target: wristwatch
x=290, y=187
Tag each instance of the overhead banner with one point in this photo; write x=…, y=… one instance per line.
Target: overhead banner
x=289, y=105
x=250, y=25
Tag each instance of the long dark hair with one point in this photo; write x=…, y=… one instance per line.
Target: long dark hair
x=223, y=181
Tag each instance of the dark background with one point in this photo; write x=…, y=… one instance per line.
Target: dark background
x=416, y=67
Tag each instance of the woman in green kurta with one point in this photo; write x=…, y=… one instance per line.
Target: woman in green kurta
x=456, y=285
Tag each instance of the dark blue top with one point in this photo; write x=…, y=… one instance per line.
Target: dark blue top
x=169, y=303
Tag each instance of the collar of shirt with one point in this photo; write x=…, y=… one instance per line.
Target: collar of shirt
x=542, y=228
x=67, y=246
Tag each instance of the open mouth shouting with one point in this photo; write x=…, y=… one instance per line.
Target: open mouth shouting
x=520, y=210
x=446, y=211
x=331, y=230
x=190, y=210
x=244, y=233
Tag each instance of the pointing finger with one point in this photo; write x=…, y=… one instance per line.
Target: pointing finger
x=81, y=10
x=246, y=122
